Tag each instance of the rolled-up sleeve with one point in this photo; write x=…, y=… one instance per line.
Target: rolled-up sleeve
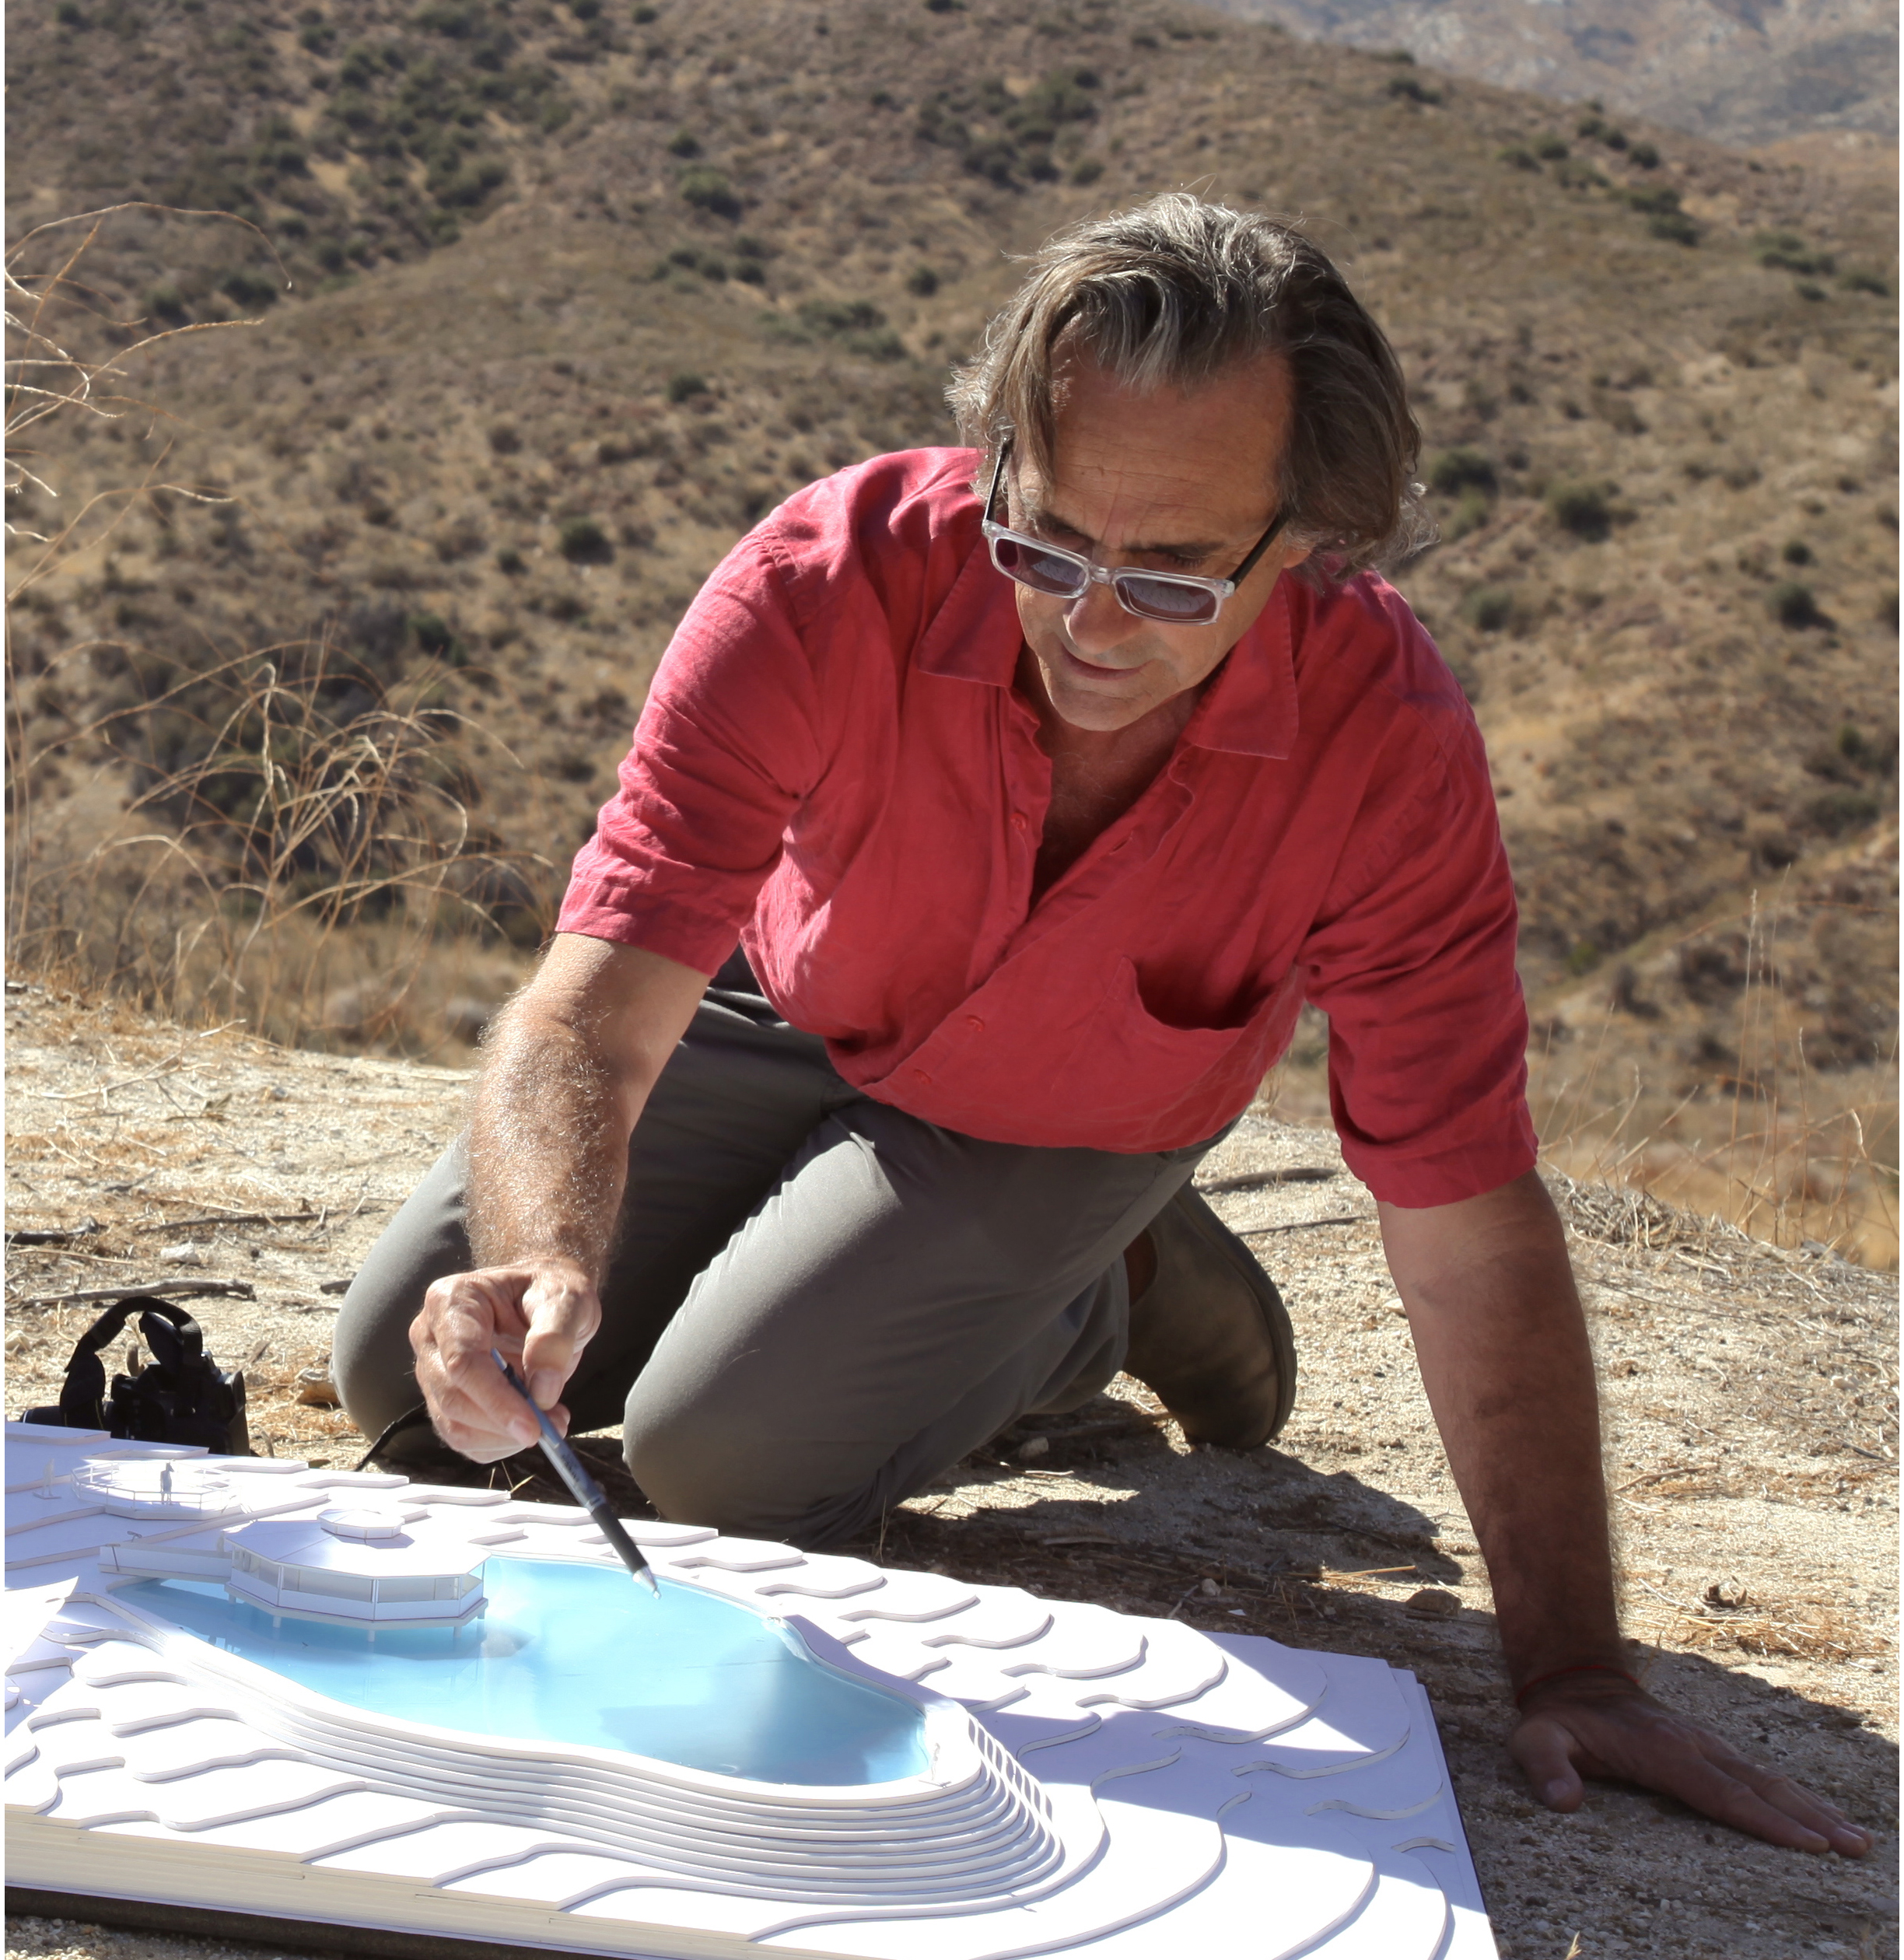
x=1414, y=964
x=724, y=751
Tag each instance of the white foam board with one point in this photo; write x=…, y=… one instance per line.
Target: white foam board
x=1101, y=1784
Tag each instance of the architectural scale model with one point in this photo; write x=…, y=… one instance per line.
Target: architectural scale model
x=239, y=1685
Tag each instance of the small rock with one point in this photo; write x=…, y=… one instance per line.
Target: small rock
x=315, y=1389
x=1209, y=1588
x=1036, y=1446
x=184, y=1256
x=1728, y=1593
x=1432, y=1603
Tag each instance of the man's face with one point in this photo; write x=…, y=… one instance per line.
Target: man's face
x=1170, y=481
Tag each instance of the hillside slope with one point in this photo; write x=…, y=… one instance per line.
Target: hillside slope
x=1737, y=71
x=579, y=291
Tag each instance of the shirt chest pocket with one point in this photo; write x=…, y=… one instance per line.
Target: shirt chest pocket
x=1143, y=1060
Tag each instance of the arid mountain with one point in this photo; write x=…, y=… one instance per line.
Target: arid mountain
x=578, y=292
x=1739, y=71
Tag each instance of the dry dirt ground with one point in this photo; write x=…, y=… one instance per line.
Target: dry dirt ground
x=1749, y=1398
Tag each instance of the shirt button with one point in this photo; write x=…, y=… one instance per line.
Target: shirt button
x=1019, y=822
x=975, y=1023
x=920, y=1075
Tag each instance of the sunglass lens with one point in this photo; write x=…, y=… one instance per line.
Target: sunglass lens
x=1165, y=598
x=1044, y=572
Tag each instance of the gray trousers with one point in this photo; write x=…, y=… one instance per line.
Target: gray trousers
x=815, y=1304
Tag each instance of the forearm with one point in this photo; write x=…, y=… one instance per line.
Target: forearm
x=567, y=1071
x=1509, y=1373
x=548, y=1131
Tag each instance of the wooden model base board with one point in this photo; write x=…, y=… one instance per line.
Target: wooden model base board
x=1130, y=1789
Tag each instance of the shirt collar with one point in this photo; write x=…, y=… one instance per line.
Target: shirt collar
x=1251, y=709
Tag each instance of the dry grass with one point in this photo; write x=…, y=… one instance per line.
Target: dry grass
x=283, y=835
x=1759, y=1137
x=1796, y=1630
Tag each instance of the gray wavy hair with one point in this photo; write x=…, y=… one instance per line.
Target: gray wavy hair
x=1172, y=293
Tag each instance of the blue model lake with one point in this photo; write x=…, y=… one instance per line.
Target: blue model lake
x=574, y=1654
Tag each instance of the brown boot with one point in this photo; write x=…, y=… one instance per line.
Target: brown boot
x=1210, y=1334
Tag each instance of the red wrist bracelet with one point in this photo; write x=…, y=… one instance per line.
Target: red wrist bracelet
x=1580, y=1667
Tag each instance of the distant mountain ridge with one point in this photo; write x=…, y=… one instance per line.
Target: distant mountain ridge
x=1743, y=71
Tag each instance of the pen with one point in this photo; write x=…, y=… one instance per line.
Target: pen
x=586, y=1492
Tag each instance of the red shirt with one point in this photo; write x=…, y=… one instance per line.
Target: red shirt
x=833, y=767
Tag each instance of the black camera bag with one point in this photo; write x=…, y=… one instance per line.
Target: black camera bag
x=183, y=1397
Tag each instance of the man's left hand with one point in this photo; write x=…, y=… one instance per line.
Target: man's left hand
x=1601, y=1726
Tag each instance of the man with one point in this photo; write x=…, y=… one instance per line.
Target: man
x=1038, y=800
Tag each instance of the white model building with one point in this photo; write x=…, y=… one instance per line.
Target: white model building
x=353, y=1565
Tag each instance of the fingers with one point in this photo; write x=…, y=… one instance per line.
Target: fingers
x=1770, y=1791
x=467, y=1316
x=563, y=1312
x=1633, y=1738
x=1545, y=1751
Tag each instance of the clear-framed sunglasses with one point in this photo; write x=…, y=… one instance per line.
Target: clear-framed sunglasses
x=1174, y=597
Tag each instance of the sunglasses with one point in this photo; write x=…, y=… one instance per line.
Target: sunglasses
x=1174, y=597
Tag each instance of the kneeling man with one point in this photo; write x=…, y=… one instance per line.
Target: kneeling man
x=991, y=816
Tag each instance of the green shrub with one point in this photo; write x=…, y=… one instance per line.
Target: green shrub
x=685, y=386
x=435, y=635
x=1857, y=748
x=923, y=281
x=1517, y=156
x=1489, y=608
x=1582, y=509
x=1588, y=127
x=1673, y=225
x=1087, y=170
x=167, y=301
x=1552, y=149
x=1456, y=469
x=684, y=142
x=1796, y=551
x=857, y=324
x=1858, y=280
x=467, y=182
x=1645, y=155
x=1785, y=251
x=249, y=290
x=1794, y=604
x=582, y=541
x=1584, y=957
x=1413, y=88
x=1472, y=511
x=1575, y=175
x=1839, y=810
x=708, y=190
x=508, y=561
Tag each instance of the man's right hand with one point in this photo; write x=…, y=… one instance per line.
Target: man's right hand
x=541, y=1314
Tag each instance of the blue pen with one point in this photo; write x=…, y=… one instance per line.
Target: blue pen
x=586, y=1491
